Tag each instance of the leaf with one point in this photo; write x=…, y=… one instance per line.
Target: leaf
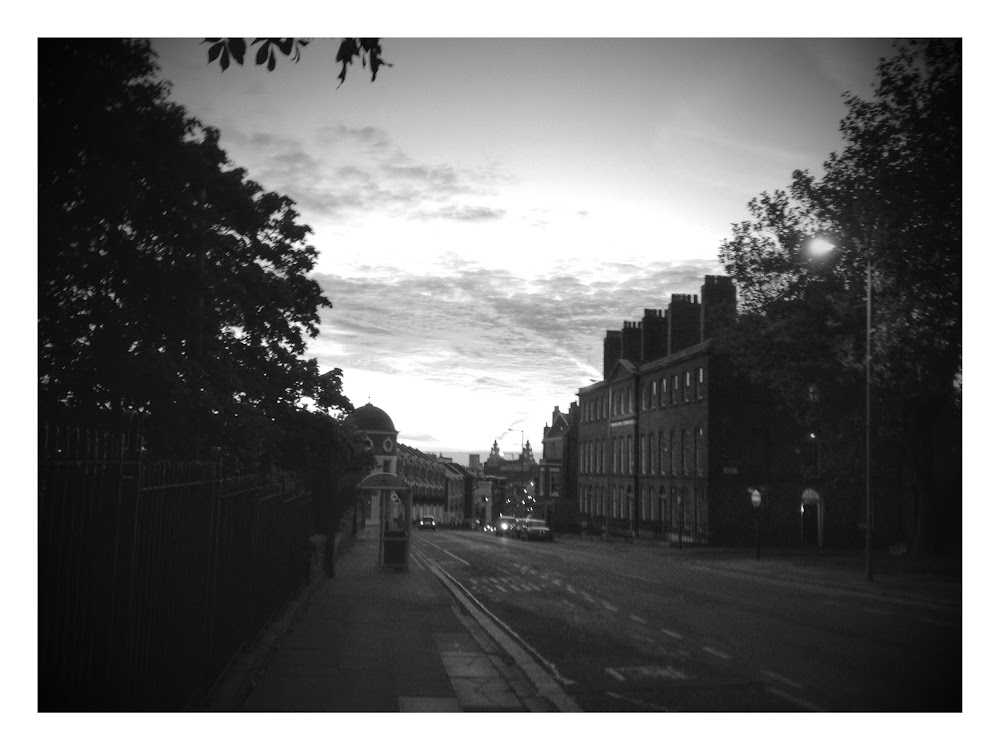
x=270, y=62
x=348, y=50
x=285, y=45
x=238, y=48
x=224, y=62
x=214, y=50
x=262, y=53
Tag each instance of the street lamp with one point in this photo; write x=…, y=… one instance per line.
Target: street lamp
x=820, y=247
x=755, y=500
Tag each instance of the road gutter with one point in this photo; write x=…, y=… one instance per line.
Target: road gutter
x=544, y=682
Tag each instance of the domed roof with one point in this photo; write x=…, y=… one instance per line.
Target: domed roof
x=370, y=419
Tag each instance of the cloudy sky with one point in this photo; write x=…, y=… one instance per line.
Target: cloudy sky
x=488, y=208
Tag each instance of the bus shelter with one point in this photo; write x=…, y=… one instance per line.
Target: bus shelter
x=395, y=503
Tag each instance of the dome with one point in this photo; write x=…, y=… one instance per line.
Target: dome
x=370, y=418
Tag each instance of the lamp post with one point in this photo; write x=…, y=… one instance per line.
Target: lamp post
x=755, y=501
x=820, y=247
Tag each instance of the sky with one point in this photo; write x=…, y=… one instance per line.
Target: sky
x=487, y=208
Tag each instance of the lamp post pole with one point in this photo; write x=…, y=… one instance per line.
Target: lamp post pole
x=819, y=246
x=755, y=501
x=868, y=416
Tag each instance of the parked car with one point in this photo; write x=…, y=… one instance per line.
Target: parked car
x=535, y=528
x=505, y=526
x=427, y=523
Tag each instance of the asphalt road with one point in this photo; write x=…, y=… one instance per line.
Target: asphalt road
x=632, y=627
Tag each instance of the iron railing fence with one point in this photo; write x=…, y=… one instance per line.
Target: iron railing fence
x=153, y=575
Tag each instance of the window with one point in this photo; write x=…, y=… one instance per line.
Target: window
x=631, y=455
x=643, y=454
x=685, y=452
x=628, y=503
x=700, y=385
x=664, y=459
x=663, y=391
x=652, y=399
x=631, y=400
x=644, y=397
x=687, y=386
x=554, y=483
x=674, y=457
x=699, y=451
x=676, y=387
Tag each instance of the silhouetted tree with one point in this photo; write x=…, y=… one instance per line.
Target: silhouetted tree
x=894, y=191
x=169, y=283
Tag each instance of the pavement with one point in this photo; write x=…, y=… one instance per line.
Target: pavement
x=384, y=640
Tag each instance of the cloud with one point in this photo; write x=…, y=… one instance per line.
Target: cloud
x=492, y=330
x=346, y=172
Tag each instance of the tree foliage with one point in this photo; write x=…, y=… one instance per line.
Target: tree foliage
x=892, y=195
x=169, y=283
x=234, y=49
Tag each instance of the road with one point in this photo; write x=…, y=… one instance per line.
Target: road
x=635, y=627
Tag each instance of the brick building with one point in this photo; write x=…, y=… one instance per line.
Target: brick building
x=557, y=470
x=672, y=441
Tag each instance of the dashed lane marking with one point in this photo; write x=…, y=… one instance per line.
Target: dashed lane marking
x=637, y=702
x=570, y=589
x=800, y=702
x=556, y=582
x=672, y=634
x=781, y=678
x=610, y=606
x=617, y=675
x=638, y=619
x=715, y=652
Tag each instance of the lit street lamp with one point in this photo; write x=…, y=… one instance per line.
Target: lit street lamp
x=755, y=500
x=818, y=246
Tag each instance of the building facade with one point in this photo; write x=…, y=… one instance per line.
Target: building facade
x=672, y=441
x=557, y=470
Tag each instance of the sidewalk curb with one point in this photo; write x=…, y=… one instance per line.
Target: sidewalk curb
x=544, y=683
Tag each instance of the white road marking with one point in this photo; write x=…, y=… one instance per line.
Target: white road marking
x=556, y=582
x=535, y=586
x=672, y=634
x=614, y=674
x=637, y=702
x=609, y=605
x=588, y=597
x=500, y=588
x=570, y=589
x=656, y=672
x=793, y=699
x=781, y=678
x=714, y=652
x=638, y=619
x=446, y=552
